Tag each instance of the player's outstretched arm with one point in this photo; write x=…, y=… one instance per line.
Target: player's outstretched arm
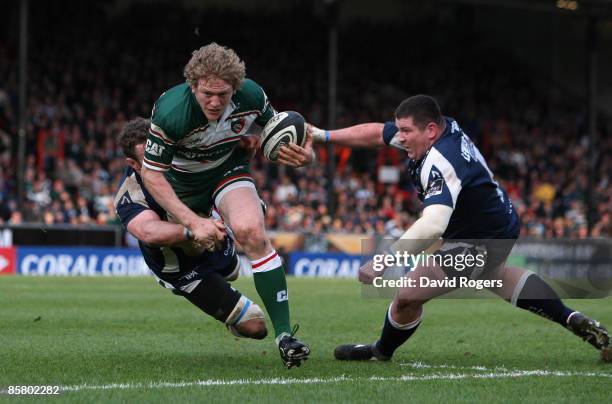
x=425, y=231
x=368, y=135
x=150, y=229
x=205, y=231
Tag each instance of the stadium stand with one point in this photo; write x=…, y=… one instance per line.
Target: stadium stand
x=85, y=83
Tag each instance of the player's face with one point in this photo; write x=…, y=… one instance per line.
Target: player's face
x=213, y=95
x=416, y=141
x=139, y=150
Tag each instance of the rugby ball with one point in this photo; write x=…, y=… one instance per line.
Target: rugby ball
x=283, y=128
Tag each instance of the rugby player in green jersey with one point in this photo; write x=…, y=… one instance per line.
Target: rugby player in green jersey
x=193, y=164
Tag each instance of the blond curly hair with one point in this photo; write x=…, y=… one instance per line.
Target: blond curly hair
x=214, y=60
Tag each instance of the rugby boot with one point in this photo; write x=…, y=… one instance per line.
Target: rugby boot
x=359, y=352
x=292, y=351
x=591, y=331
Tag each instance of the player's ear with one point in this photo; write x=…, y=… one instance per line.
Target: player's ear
x=132, y=163
x=431, y=129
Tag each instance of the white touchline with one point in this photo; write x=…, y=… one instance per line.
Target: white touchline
x=503, y=370
x=491, y=374
x=421, y=365
x=205, y=383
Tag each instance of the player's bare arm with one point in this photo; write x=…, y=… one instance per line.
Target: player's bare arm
x=368, y=135
x=149, y=228
x=205, y=231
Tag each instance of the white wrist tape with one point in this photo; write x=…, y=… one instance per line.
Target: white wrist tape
x=318, y=135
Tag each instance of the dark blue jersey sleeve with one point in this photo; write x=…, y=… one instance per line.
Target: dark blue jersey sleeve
x=127, y=210
x=389, y=132
x=130, y=199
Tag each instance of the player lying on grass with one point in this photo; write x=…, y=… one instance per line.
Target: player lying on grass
x=462, y=201
x=177, y=260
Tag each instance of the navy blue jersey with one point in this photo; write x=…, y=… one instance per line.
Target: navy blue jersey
x=132, y=198
x=454, y=173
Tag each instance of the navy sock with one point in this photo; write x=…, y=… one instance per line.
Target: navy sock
x=394, y=335
x=539, y=298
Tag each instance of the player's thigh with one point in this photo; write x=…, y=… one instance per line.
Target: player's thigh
x=427, y=283
x=241, y=208
x=498, y=251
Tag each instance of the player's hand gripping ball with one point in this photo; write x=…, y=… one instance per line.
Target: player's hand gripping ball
x=283, y=128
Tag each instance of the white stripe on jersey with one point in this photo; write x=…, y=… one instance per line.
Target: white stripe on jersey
x=159, y=133
x=435, y=158
x=134, y=190
x=171, y=263
x=191, y=166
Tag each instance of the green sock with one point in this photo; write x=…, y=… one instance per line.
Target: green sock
x=272, y=288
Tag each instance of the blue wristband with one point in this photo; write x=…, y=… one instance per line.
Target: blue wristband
x=326, y=136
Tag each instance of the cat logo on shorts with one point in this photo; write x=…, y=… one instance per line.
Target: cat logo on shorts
x=238, y=125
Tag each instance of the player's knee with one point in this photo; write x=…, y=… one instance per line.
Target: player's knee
x=247, y=320
x=366, y=275
x=250, y=233
x=406, y=304
x=254, y=328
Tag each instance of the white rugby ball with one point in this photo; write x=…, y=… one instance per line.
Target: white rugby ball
x=283, y=128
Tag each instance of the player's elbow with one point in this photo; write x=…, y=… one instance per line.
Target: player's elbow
x=150, y=234
x=149, y=237
x=438, y=227
x=437, y=230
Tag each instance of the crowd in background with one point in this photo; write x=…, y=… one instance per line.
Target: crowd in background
x=86, y=78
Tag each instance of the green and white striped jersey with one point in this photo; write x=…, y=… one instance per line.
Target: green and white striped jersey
x=182, y=140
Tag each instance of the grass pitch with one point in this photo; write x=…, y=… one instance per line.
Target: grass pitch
x=128, y=340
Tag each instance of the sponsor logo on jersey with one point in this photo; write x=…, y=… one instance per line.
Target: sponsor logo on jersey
x=154, y=148
x=189, y=276
x=237, y=168
x=436, y=183
x=238, y=124
x=435, y=188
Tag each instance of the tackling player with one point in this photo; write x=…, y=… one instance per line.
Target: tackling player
x=463, y=201
x=192, y=164
x=178, y=262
